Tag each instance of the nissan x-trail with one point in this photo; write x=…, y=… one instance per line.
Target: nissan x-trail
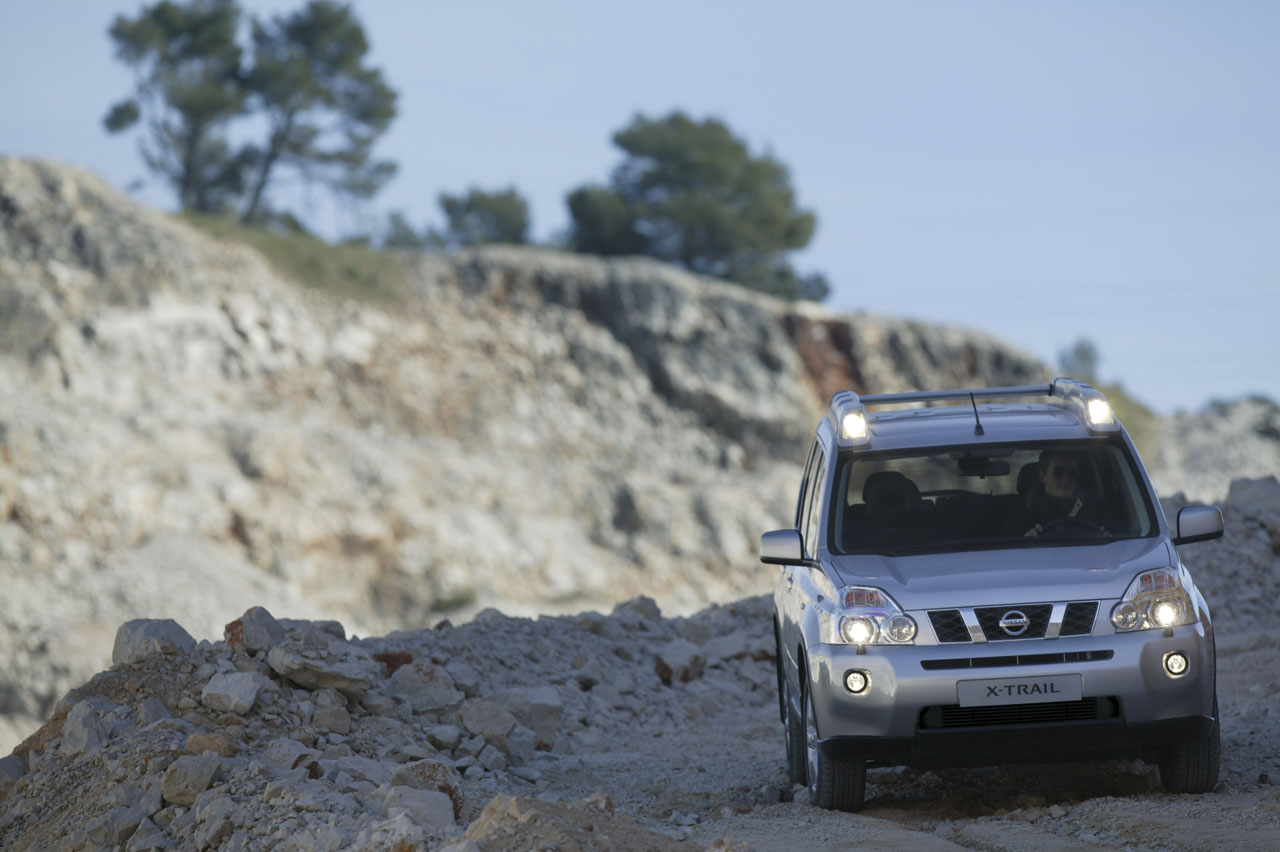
x=985, y=581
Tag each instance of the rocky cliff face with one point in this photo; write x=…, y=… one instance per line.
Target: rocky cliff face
x=1203, y=452
x=184, y=433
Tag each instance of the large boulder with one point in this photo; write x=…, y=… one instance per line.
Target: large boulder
x=143, y=636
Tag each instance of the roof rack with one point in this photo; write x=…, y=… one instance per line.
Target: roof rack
x=848, y=411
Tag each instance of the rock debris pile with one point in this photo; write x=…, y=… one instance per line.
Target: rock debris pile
x=288, y=735
x=1239, y=573
x=1201, y=453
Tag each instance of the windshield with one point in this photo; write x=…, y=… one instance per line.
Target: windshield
x=969, y=497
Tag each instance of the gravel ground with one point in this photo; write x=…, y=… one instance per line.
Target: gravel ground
x=724, y=781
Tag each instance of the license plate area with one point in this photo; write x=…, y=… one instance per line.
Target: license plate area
x=1018, y=690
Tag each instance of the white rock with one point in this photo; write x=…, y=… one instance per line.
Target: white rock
x=527, y=773
x=334, y=719
x=427, y=688
x=188, y=777
x=428, y=808
x=286, y=753
x=151, y=709
x=519, y=745
x=379, y=704
x=350, y=676
x=317, y=838
x=233, y=692
x=148, y=837
x=256, y=630
x=469, y=747
x=491, y=758
x=142, y=636
x=215, y=822
x=732, y=646
x=638, y=612
x=115, y=826
x=465, y=677
x=590, y=674
x=82, y=731
x=445, y=737
x=679, y=661
x=538, y=708
x=487, y=719
x=375, y=772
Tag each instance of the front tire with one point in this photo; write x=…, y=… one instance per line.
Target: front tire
x=794, y=721
x=839, y=785
x=1192, y=766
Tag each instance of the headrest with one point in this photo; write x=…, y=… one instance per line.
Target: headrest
x=1027, y=476
x=889, y=485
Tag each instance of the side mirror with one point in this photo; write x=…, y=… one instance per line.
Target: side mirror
x=1198, y=523
x=782, y=547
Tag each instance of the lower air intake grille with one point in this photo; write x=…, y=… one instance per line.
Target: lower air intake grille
x=1016, y=660
x=954, y=716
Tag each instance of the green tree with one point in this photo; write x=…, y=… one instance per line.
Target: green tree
x=485, y=217
x=401, y=235
x=325, y=107
x=692, y=193
x=1080, y=361
x=187, y=91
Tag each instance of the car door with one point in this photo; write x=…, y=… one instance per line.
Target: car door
x=801, y=591
x=809, y=582
x=785, y=594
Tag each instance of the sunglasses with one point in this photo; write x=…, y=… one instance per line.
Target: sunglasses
x=1060, y=472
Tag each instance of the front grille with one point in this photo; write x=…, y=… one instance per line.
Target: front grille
x=955, y=716
x=1016, y=660
x=989, y=617
x=1078, y=619
x=949, y=625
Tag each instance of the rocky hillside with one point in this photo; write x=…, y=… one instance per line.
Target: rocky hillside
x=627, y=732
x=184, y=433
x=1202, y=452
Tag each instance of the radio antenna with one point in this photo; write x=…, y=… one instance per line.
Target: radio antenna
x=977, y=430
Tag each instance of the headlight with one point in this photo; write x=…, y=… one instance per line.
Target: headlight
x=857, y=630
x=866, y=616
x=1154, y=599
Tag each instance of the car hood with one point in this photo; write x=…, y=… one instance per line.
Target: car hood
x=1012, y=576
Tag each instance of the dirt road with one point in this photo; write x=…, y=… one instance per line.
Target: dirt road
x=724, y=780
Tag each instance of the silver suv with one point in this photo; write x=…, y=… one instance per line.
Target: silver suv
x=970, y=585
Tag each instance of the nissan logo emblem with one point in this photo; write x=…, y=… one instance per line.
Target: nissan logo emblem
x=1014, y=623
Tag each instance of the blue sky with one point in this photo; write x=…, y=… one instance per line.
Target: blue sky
x=1041, y=171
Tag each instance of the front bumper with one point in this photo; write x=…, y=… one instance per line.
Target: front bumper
x=1141, y=706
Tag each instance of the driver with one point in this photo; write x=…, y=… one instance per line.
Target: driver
x=1057, y=496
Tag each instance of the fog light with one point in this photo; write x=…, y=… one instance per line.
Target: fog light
x=857, y=681
x=1175, y=663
